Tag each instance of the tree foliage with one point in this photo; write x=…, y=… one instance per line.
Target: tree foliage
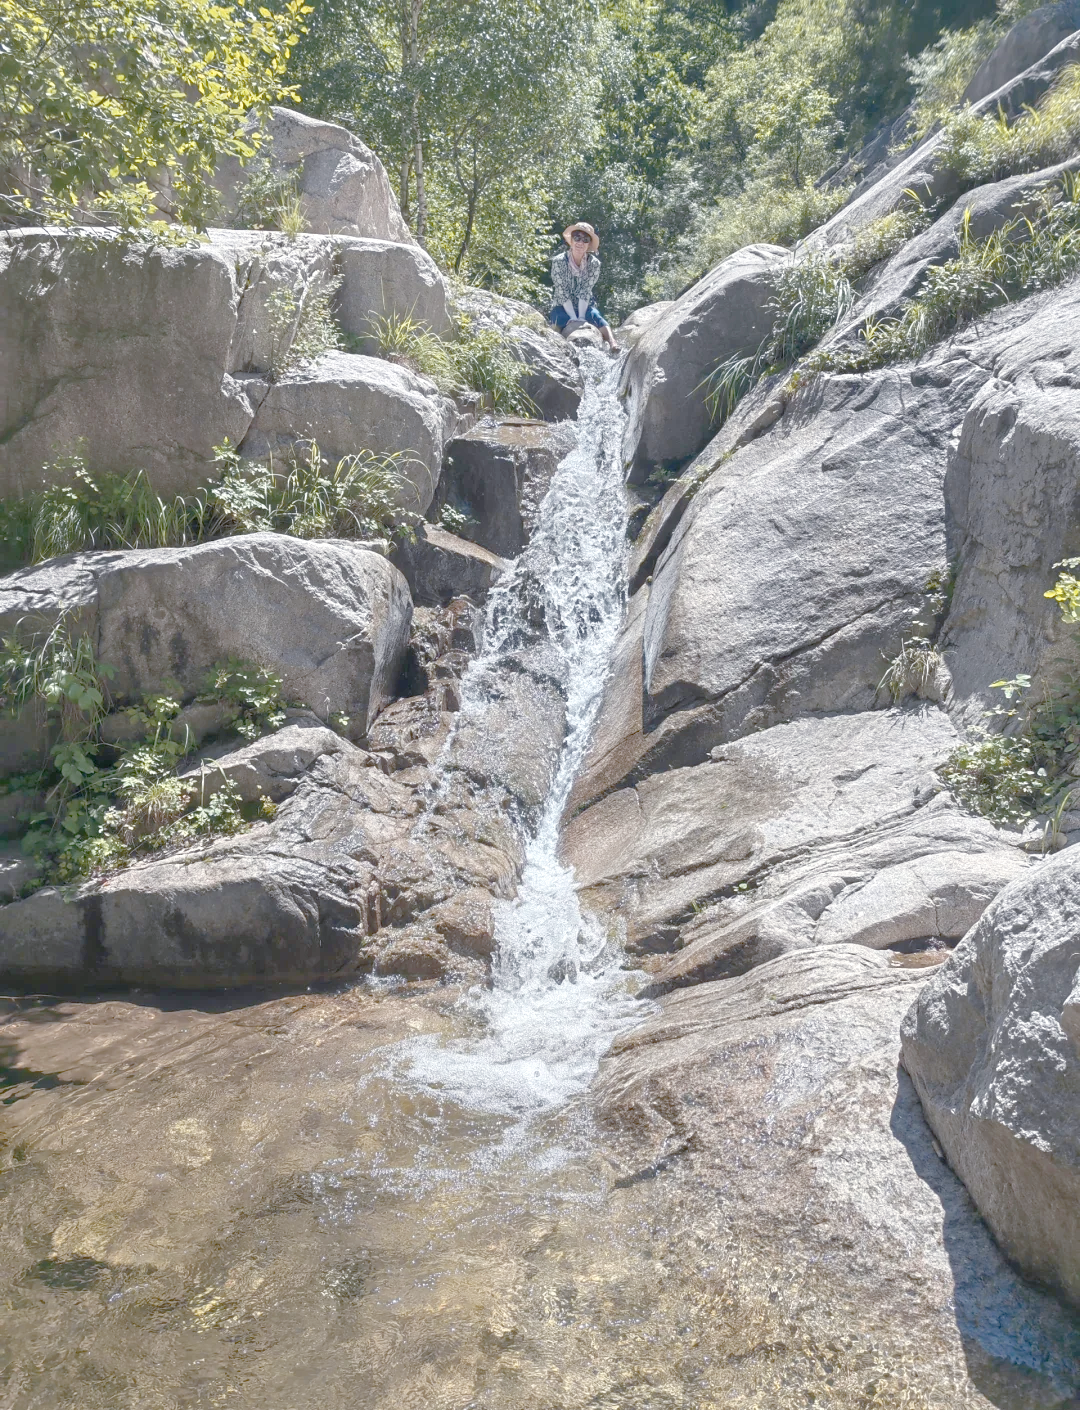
x=117, y=111
x=468, y=105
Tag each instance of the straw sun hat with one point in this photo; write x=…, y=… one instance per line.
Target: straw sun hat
x=594, y=239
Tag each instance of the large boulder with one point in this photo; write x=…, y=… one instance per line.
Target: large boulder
x=1025, y=44
x=342, y=185
x=780, y=573
x=725, y=313
x=760, y=1129
x=803, y=817
x=496, y=476
x=787, y=577
x=322, y=891
x=921, y=170
x=629, y=333
x=1012, y=494
x=993, y=1047
x=380, y=278
x=138, y=357
x=347, y=403
x=331, y=618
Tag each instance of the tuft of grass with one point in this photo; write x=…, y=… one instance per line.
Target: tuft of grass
x=990, y=147
x=364, y=496
x=1025, y=255
x=912, y=670
x=479, y=360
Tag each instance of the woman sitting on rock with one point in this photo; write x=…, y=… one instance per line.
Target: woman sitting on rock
x=574, y=274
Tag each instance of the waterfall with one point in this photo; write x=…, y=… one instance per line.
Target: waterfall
x=560, y=992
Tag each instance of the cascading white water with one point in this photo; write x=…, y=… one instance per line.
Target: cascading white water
x=560, y=993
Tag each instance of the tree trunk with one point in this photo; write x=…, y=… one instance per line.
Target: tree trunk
x=421, y=195
x=403, y=190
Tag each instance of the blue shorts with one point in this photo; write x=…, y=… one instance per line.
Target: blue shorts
x=561, y=318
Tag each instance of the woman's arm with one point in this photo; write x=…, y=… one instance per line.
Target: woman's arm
x=560, y=280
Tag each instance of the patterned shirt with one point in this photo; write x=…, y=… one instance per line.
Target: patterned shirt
x=572, y=285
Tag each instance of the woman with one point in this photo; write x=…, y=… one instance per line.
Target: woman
x=574, y=274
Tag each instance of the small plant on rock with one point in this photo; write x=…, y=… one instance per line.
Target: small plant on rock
x=106, y=804
x=301, y=324
x=913, y=670
x=1033, y=764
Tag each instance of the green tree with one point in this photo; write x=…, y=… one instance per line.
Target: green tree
x=457, y=99
x=118, y=110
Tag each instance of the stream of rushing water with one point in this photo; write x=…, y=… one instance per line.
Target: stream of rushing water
x=560, y=993
x=351, y=1199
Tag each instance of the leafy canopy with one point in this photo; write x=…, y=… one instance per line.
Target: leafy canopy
x=118, y=111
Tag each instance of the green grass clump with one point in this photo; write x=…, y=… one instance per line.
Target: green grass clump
x=477, y=360
x=990, y=147
x=104, y=805
x=364, y=496
x=1025, y=255
x=811, y=295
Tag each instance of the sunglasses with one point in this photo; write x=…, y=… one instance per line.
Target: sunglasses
x=580, y=235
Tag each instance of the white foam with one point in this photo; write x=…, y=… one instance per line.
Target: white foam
x=560, y=992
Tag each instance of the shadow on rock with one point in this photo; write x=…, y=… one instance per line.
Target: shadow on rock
x=1013, y=1333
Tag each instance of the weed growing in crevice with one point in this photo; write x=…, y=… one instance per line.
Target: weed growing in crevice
x=1025, y=255
x=477, y=360
x=1031, y=763
x=455, y=520
x=913, y=670
x=102, y=804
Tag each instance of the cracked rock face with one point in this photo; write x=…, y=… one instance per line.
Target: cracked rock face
x=826, y=831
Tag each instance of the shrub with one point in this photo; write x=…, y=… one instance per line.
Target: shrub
x=105, y=805
x=479, y=360
x=944, y=69
x=989, y=148
x=269, y=199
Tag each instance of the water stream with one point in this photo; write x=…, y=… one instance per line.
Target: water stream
x=560, y=992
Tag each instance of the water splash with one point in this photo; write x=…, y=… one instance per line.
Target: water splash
x=560, y=994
